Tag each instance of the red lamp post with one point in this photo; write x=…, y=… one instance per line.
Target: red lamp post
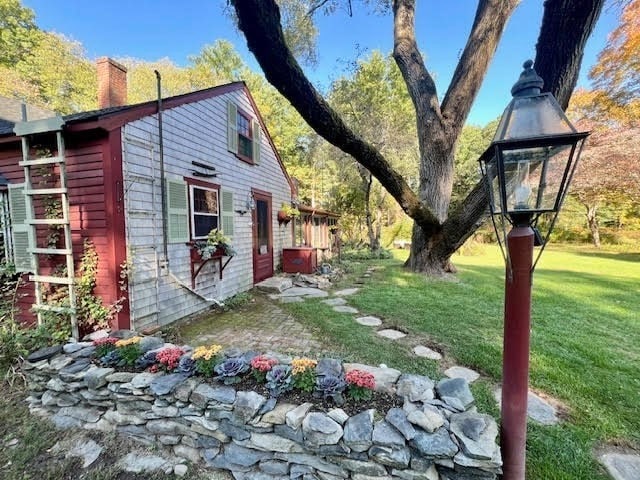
x=528, y=168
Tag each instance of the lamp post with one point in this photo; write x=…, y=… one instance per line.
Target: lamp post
x=528, y=168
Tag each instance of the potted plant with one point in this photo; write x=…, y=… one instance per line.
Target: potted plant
x=286, y=213
x=216, y=245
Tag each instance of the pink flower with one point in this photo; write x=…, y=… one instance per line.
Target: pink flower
x=105, y=341
x=169, y=357
x=263, y=363
x=360, y=378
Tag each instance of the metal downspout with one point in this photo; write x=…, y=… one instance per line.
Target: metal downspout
x=163, y=191
x=165, y=242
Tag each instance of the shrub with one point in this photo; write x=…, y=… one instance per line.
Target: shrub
x=360, y=385
x=261, y=365
x=330, y=387
x=104, y=345
x=206, y=359
x=129, y=350
x=366, y=254
x=147, y=360
x=231, y=370
x=168, y=358
x=279, y=380
x=304, y=375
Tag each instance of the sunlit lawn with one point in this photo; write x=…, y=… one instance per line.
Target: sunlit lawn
x=585, y=342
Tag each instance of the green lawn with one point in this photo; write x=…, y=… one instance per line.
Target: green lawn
x=584, y=346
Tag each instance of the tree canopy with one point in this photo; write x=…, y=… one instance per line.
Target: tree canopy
x=438, y=232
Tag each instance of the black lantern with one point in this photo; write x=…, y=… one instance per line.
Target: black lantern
x=531, y=160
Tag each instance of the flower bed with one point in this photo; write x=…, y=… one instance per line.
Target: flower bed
x=195, y=403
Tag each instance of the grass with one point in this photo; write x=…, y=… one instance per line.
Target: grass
x=584, y=342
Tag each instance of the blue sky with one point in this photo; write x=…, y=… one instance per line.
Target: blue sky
x=152, y=29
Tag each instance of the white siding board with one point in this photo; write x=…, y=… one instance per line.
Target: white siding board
x=193, y=132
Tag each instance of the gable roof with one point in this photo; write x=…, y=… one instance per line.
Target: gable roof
x=115, y=117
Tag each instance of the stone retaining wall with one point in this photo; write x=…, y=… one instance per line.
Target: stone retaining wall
x=438, y=434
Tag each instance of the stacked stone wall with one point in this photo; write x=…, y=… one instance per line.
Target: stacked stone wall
x=436, y=435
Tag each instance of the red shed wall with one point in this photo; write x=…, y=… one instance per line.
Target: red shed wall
x=88, y=158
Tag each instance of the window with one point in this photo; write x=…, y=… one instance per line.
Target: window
x=204, y=211
x=243, y=135
x=245, y=147
x=195, y=208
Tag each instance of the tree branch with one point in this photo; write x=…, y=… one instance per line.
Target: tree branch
x=259, y=20
x=422, y=88
x=559, y=54
x=560, y=44
x=488, y=25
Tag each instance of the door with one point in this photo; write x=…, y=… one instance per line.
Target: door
x=262, y=237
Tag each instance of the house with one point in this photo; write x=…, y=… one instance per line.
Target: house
x=213, y=154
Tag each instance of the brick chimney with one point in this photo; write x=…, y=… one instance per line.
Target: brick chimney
x=112, y=83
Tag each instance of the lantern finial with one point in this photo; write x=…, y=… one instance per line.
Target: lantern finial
x=529, y=83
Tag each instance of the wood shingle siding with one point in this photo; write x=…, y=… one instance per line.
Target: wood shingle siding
x=197, y=132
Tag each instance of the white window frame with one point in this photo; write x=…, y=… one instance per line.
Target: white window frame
x=193, y=213
x=5, y=226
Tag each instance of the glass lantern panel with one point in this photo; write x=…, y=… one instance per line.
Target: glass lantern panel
x=492, y=179
x=532, y=116
x=534, y=177
x=496, y=197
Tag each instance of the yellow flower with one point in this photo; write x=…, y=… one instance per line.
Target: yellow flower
x=128, y=341
x=300, y=365
x=206, y=353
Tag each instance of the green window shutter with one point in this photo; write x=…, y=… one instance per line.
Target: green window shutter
x=177, y=211
x=232, y=127
x=227, y=212
x=255, y=131
x=20, y=231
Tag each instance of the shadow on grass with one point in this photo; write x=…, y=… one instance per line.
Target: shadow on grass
x=620, y=256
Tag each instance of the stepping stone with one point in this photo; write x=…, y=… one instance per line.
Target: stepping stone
x=621, y=466
x=426, y=352
x=275, y=284
x=345, y=309
x=369, y=321
x=391, y=334
x=537, y=409
x=291, y=299
x=334, y=302
x=366, y=275
x=462, y=372
x=303, y=292
x=346, y=292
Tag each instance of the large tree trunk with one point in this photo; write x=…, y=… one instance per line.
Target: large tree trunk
x=592, y=222
x=437, y=233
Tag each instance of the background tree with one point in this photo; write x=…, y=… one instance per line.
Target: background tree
x=609, y=169
x=374, y=103
x=438, y=232
x=616, y=74
x=17, y=29
x=66, y=80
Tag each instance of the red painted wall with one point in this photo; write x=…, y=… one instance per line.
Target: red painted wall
x=94, y=175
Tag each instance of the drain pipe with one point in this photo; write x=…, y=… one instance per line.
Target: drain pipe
x=163, y=189
x=163, y=182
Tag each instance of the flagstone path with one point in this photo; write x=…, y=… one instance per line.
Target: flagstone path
x=621, y=466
